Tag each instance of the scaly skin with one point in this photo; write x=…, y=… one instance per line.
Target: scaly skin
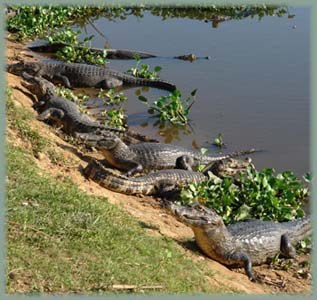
x=66, y=114
x=150, y=184
x=83, y=75
x=247, y=243
x=150, y=156
x=157, y=182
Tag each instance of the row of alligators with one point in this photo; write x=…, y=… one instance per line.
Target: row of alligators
x=171, y=167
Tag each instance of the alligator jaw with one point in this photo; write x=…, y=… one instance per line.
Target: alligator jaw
x=193, y=215
x=93, y=139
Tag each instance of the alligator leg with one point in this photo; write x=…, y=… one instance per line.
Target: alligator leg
x=138, y=168
x=166, y=189
x=286, y=247
x=242, y=257
x=39, y=104
x=184, y=162
x=64, y=79
x=110, y=83
x=49, y=113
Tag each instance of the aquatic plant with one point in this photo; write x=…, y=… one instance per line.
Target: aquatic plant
x=172, y=107
x=253, y=194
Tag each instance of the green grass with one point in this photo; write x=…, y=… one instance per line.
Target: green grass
x=19, y=118
x=61, y=240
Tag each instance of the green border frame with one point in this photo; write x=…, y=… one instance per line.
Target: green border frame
x=313, y=146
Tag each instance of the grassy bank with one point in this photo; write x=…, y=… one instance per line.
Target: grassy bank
x=61, y=240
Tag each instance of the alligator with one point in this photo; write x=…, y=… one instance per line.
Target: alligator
x=154, y=183
x=191, y=57
x=67, y=114
x=84, y=75
x=244, y=243
x=149, y=156
x=111, y=53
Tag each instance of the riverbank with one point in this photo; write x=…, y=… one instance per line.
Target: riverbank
x=61, y=226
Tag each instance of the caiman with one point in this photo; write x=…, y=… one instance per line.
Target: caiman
x=66, y=114
x=158, y=182
x=150, y=156
x=84, y=75
x=111, y=53
x=191, y=57
x=245, y=243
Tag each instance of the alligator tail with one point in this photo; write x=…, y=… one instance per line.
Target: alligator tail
x=111, y=180
x=137, y=137
x=210, y=159
x=160, y=84
x=157, y=84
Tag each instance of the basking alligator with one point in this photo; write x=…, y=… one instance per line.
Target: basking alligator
x=157, y=182
x=246, y=243
x=66, y=114
x=83, y=75
x=150, y=156
x=111, y=53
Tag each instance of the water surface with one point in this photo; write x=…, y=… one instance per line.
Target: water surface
x=254, y=89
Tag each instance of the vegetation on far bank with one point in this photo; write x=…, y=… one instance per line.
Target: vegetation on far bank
x=37, y=20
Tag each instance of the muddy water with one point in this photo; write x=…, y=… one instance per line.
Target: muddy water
x=254, y=89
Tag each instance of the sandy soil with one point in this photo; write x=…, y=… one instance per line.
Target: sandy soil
x=146, y=209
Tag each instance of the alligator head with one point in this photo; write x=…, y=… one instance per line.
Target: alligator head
x=195, y=215
x=99, y=139
x=228, y=167
x=30, y=67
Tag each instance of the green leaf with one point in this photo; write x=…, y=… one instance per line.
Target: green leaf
x=137, y=57
x=193, y=93
x=143, y=99
x=203, y=151
x=308, y=177
x=157, y=69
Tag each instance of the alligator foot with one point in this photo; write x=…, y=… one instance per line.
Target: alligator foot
x=286, y=247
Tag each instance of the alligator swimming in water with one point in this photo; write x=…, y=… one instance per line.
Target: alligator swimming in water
x=111, y=53
x=156, y=182
x=67, y=114
x=150, y=156
x=84, y=75
x=245, y=243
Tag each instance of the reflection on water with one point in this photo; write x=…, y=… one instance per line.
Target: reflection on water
x=211, y=14
x=254, y=89
x=170, y=132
